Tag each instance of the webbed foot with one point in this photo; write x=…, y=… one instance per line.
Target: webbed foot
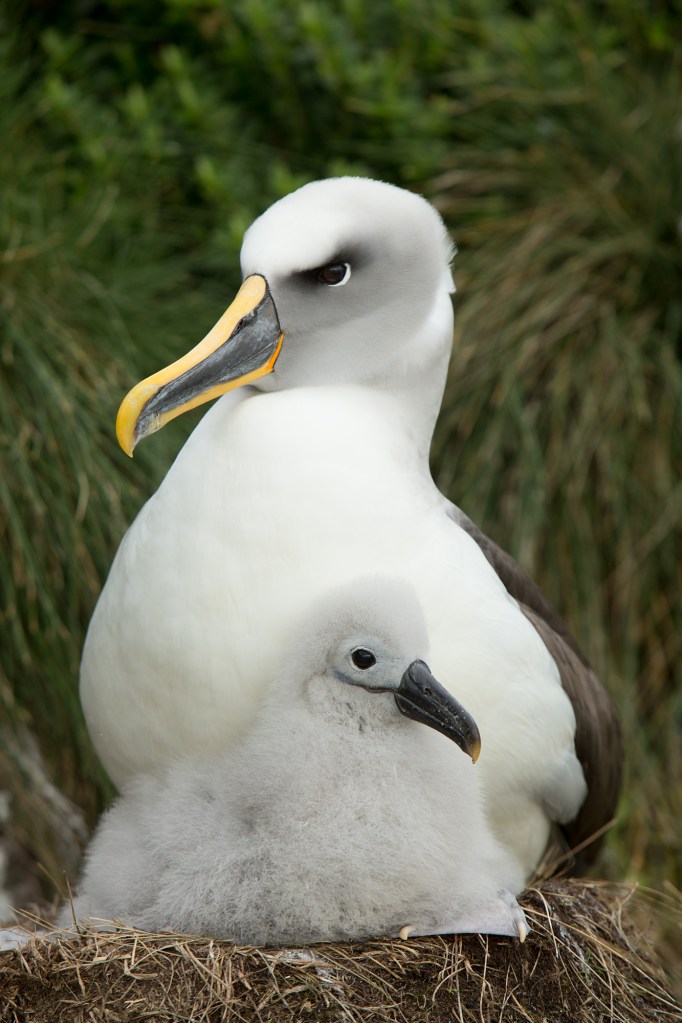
x=504, y=916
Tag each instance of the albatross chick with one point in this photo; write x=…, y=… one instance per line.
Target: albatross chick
x=351, y=809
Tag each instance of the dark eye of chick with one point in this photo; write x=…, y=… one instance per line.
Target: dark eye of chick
x=334, y=274
x=362, y=658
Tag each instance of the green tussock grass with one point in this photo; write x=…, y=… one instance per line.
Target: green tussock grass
x=138, y=149
x=76, y=271
x=561, y=432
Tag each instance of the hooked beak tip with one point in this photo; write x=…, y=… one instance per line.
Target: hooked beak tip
x=124, y=434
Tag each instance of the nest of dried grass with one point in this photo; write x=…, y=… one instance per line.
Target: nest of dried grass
x=586, y=961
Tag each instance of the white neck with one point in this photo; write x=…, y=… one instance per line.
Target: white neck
x=420, y=384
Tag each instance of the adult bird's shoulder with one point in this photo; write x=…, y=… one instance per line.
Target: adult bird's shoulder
x=598, y=739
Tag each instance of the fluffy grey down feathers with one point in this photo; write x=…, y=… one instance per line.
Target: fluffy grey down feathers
x=336, y=818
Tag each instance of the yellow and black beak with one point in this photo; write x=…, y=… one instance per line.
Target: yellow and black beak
x=243, y=346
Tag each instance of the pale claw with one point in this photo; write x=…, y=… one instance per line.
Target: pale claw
x=518, y=916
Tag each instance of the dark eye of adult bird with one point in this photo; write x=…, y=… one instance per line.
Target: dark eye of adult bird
x=334, y=274
x=362, y=658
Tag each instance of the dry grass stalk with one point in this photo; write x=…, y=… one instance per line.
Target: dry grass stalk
x=586, y=961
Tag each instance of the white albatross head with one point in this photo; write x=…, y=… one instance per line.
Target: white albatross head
x=346, y=281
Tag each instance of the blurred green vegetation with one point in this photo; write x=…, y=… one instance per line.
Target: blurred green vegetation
x=140, y=140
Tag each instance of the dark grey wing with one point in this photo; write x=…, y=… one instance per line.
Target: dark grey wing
x=598, y=742
x=598, y=739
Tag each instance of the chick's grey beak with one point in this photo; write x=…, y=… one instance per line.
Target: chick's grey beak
x=421, y=697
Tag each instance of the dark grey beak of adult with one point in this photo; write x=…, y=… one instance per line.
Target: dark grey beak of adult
x=421, y=697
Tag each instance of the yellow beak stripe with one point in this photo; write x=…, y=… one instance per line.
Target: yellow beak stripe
x=252, y=292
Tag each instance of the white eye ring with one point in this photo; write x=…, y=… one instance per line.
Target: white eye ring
x=334, y=266
x=344, y=279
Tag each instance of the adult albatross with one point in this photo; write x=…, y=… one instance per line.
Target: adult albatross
x=312, y=470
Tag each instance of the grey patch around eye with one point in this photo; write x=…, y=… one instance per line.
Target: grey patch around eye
x=350, y=254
